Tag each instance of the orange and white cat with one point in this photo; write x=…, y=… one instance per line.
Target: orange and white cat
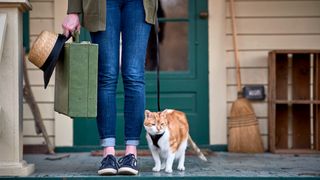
x=167, y=136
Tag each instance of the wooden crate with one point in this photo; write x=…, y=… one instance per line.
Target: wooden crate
x=294, y=101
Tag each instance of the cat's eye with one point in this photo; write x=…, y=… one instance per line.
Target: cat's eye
x=153, y=124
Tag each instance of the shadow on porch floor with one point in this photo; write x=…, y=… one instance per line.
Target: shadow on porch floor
x=220, y=165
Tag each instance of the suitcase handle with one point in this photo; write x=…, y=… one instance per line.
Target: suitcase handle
x=76, y=36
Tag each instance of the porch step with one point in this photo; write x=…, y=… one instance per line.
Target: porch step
x=222, y=165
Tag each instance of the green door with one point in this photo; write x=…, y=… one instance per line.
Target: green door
x=183, y=76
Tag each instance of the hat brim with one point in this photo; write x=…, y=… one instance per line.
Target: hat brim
x=52, y=59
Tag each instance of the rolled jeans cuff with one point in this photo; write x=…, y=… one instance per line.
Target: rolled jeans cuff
x=132, y=142
x=107, y=142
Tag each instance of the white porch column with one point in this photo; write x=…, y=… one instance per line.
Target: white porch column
x=217, y=72
x=11, y=162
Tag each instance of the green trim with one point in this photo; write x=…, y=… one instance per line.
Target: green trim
x=218, y=147
x=173, y=20
x=26, y=31
x=64, y=149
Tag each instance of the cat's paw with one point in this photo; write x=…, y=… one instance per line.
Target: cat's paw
x=168, y=170
x=181, y=168
x=156, y=169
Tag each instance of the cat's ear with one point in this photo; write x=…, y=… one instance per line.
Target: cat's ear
x=146, y=113
x=164, y=113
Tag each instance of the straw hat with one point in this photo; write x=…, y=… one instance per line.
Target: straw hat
x=45, y=52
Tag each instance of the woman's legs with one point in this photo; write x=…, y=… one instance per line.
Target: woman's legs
x=128, y=17
x=135, y=35
x=108, y=70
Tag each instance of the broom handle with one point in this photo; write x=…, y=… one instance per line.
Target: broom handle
x=235, y=46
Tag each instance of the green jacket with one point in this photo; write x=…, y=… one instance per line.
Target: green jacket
x=94, y=16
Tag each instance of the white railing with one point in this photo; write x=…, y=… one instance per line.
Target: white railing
x=3, y=27
x=1, y=121
x=11, y=100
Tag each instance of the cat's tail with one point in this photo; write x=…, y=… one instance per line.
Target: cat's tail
x=196, y=148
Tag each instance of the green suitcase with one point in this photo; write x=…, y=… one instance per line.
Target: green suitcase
x=76, y=80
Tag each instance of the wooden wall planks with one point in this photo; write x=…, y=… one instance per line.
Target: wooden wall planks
x=264, y=25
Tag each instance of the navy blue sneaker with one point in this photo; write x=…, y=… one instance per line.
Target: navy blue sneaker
x=128, y=165
x=109, y=166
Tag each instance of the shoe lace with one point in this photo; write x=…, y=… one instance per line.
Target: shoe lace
x=109, y=160
x=128, y=160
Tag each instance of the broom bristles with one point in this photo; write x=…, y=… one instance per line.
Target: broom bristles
x=244, y=133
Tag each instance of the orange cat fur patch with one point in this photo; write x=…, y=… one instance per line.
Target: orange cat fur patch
x=167, y=136
x=178, y=127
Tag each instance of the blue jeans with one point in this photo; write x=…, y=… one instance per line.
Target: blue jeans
x=127, y=17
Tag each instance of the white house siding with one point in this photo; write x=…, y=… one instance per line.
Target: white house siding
x=41, y=18
x=264, y=25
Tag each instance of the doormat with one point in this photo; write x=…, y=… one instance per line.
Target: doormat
x=146, y=152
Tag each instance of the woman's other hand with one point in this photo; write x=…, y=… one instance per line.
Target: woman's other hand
x=70, y=24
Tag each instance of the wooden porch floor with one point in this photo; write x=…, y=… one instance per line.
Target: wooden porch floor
x=220, y=165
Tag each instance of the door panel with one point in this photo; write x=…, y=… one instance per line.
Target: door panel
x=174, y=46
x=183, y=76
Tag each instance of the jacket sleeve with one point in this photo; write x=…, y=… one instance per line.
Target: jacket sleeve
x=150, y=8
x=75, y=6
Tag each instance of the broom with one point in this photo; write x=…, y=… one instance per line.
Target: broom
x=244, y=133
